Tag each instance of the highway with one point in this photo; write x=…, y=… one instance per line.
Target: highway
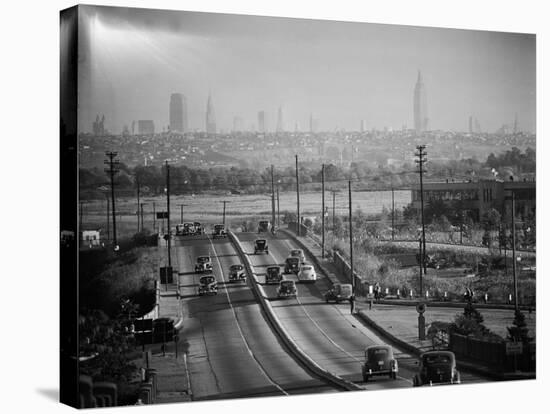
x=232, y=351
x=327, y=333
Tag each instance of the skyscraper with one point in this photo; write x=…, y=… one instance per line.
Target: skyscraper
x=471, y=125
x=420, y=106
x=210, y=117
x=262, y=125
x=178, y=113
x=280, y=127
x=238, y=124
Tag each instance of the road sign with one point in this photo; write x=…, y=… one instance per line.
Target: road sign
x=514, y=348
x=162, y=215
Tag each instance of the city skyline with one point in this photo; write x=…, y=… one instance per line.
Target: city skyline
x=304, y=66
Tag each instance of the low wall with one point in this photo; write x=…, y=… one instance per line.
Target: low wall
x=493, y=354
x=154, y=314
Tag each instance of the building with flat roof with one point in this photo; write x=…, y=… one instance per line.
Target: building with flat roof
x=146, y=127
x=477, y=197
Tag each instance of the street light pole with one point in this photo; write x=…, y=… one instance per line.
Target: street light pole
x=272, y=198
x=516, y=304
x=421, y=154
x=168, y=212
x=323, y=212
x=351, y=241
x=278, y=211
x=297, y=199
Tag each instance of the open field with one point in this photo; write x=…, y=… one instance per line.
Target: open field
x=208, y=208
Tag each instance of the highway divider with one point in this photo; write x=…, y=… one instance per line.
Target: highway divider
x=281, y=331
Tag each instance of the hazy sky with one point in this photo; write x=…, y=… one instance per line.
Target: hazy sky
x=133, y=59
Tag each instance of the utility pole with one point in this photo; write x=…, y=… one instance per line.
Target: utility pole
x=137, y=211
x=392, y=214
x=421, y=154
x=141, y=206
x=112, y=170
x=278, y=211
x=80, y=217
x=224, y=203
x=108, y=221
x=154, y=218
x=272, y=198
x=297, y=199
x=516, y=304
x=181, y=213
x=333, y=212
x=168, y=213
x=351, y=241
x=323, y=212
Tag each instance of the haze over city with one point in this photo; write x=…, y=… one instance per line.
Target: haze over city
x=339, y=72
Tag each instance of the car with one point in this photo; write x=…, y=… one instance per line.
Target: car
x=237, y=273
x=208, y=285
x=307, y=274
x=260, y=246
x=185, y=229
x=273, y=275
x=199, y=229
x=287, y=289
x=263, y=226
x=179, y=229
x=219, y=231
x=203, y=264
x=292, y=265
x=437, y=367
x=379, y=360
x=298, y=253
x=338, y=293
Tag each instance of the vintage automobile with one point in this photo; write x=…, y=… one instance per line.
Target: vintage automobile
x=338, y=293
x=307, y=274
x=260, y=246
x=273, y=275
x=298, y=253
x=185, y=229
x=203, y=264
x=219, y=231
x=208, y=285
x=199, y=229
x=263, y=226
x=179, y=229
x=292, y=265
x=287, y=289
x=437, y=367
x=379, y=360
x=237, y=273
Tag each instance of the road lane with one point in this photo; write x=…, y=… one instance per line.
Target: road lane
x=327, y=333
x=232, y=350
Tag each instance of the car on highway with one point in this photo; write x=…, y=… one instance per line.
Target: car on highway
x=292, y=264
x=338, y=293
x=287, y=289
x=208, y=285
x=437, y=367
x=185, y=229
x=237, y=273
x=260, y=246
x=263, y=226
x=273, y=275
x=199, y=229
x=307, y=274
x=203, y=264
x=379, y=360
x=298, y=253
x=219, y=231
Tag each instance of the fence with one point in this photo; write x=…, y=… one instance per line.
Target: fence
x=493, y=354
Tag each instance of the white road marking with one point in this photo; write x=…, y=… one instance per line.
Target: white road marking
x=239, y=326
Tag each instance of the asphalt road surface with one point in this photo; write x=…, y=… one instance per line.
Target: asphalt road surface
x=232, y=350
x=327, y=333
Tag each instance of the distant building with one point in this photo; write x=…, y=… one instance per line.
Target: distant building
x=98, y=126
x=238, y=124
x=178, y=113
x=210, y=117
x=471, y=124
x=362, y=129
x=146, y=127
x=420, y=106
x=280, y=125
x=477, y=197
x=262, y=122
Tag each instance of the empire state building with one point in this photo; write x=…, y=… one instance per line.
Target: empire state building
x=210, y=117
x=420, y=106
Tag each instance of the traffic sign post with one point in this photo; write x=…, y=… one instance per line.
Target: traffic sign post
x=421, y=308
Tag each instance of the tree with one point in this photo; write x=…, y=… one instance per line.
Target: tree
x=518, y=332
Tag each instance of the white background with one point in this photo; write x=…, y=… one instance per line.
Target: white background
x=30, y=208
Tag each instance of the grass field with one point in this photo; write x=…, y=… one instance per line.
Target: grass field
x=209, y=208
